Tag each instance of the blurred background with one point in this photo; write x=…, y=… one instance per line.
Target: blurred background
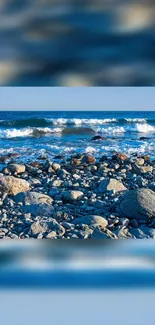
x=77, y=43
x=77, y=281
x=77, y=264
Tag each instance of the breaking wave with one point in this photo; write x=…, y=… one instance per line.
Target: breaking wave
x=27, y=132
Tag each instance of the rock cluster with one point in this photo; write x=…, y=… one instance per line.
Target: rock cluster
x=81, y=197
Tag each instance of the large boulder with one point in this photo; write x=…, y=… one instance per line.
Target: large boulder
x=12, y=185
x=30, y=198
x=36, y=203
x=111, y=184
x=69, y=196
x=138, y=204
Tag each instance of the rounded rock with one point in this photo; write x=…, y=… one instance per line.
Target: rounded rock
x=138, y=204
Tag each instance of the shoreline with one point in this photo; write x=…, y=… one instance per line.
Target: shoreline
x=78, y=198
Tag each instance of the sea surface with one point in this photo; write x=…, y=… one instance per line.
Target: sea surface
x=65, y=133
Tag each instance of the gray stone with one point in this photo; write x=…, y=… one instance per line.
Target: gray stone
x=31, y=198
x=12, y=185
x=138, y=204
x=40, y=209
x=91, y=220
x=16, y=168
x=98, y=234
x=69, y=196
x=35, y=203
x=57, y=183
x=123, y=233
x=111, y=184
x=48, y=226
x=143, y=169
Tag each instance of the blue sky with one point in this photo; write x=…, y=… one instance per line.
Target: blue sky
x=77, y=98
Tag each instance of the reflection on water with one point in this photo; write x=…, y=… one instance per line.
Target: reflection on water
x=73, y=42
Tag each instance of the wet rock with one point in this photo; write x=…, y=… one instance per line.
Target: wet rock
x=111, y=184
x=12, y=185
x=69, y=196
x=90, y=159
x=144, y=138
x=146, y=158
x=92, y=220
x=76, y=161
x=120, y=157
x=138, y=204
x=97, y=137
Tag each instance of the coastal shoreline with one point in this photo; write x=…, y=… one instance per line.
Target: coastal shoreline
x=80, y=197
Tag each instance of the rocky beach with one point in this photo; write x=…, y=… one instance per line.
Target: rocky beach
x=79, y=197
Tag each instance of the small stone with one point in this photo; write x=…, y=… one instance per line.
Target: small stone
x=57, y=183
x=143, y=169
x=16, y=168
x=140, y=161
x=56, y=166
x=69, y=196
x=121, y=157
x=51, y=235
x=90, y=159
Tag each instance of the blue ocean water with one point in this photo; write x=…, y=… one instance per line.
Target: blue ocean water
x=65, y=133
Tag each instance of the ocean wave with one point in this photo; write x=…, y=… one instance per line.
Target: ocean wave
x=27, y=132
x=81, y=121
x=47, y=122
x=43, y=122
x=144, y=128
x=136, y=128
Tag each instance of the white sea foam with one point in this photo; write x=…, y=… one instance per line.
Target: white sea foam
x=90, y=150
x=144, y=128
x=137, y=127
x=135, y=120
x=13, y=133
x=78, y=121
x=112, y=130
